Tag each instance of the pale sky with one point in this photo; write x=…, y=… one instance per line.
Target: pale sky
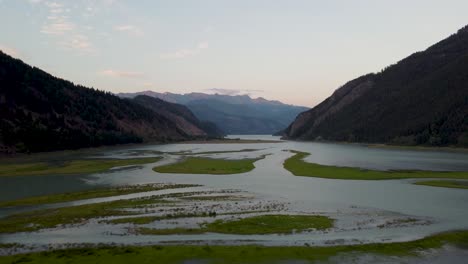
x=295, y=51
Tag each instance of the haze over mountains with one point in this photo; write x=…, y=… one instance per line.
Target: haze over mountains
x=238, y=114
x=42, y=113
x=421, y=100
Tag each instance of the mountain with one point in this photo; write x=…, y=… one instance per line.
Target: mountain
x=181, y=116
x=40, y=112
x=238, y=114
x=421, y=100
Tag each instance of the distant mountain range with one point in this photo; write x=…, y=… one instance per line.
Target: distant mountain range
x=40, y=112
x=421, y=100
x=239, y=114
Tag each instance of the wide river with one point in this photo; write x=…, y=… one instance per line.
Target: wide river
x=360, y=207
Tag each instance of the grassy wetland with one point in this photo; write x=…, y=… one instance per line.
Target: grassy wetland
x=262, y=224
x=84, y=166
x=236, y=254
x=53, y=217
x=260, y=214
x=197, y=165
x=89, y=194
x=297, y=166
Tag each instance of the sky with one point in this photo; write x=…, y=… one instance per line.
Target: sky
x=295, y=51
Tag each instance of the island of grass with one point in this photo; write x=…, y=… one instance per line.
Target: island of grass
x=84, y=166
x=197, y=165
x=50, y=218
x=89, y=194
x=297, y=166
x=235, y=254
x=262, y=224
x=445, y=184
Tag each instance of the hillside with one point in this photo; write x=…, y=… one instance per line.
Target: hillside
x=421, y=100
x=43, y=113
x=238, y=114
x=185, y=120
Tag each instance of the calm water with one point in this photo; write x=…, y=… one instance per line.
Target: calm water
x=350, y=202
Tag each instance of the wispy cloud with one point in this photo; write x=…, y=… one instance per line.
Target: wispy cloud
x=56, y=23
x=68, y=35
x=184, y=53
x=124, y=74
x=78, y=42
x=129, y=29
x=148, y=84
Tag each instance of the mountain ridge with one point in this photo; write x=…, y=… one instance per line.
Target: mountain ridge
x=233, y=114
x=421, y=100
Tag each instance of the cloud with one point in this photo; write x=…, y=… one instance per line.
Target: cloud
x=233, y=91
x=68, y=34
x=122, y=74
x=35, y=1
x=130, y=29
x=59, y=27
x=184, y=53
x=78, y=42
x=10, y=51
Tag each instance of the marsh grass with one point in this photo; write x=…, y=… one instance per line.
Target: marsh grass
x=235, y=254
x=89, y=194
x=297, y=166
x=84, y=166
x=197, y=165
x=50, y=218
x=445, y=184
x=262, y=224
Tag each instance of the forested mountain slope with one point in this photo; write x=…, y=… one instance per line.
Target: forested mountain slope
x=421, y=100
x=40, y=112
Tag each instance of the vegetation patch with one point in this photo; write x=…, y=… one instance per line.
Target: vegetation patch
x=234, y=254
x=214, y=198
x=49, y=218
x=89, y=194
x=263, y=224
x=446, y=184
x=230, y=141
x=196, y=165
x=85, y=166
x=149, y=219
x=297, y=166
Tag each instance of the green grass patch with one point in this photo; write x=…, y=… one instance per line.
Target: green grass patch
x=96, y=193
x=446, y=184
x=49, y=218
x=297, y=166
x=233, y=254
x=85, y=166
x=196, y=165
x=262, y=224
